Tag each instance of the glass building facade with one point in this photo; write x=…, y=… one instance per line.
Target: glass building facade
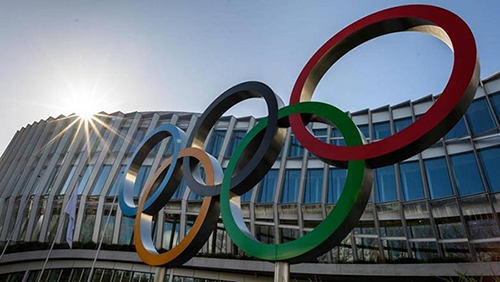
x=442, y=205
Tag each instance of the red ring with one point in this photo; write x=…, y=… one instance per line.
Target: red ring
x=428, y=129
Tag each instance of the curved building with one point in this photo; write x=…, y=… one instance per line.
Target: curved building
x=429, y=216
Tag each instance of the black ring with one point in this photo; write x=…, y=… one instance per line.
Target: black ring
x=260, y=156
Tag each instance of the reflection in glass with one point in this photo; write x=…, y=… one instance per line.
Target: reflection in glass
x=411, y=180
x=335, y=184
x=314, y=183
x=402, y=123
x=490, y=159
x=290, y=186
x=385, y=184
x=267, y=187
x=480, y=117
x=381, y=130
x=466, y=174
x=438, y=178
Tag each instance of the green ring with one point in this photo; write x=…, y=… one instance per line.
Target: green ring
x=296, y=250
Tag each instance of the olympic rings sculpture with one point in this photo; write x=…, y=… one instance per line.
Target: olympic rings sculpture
x=260, y=148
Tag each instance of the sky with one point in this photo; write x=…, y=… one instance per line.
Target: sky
x=59, y=56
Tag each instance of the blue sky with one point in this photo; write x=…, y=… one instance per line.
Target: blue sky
x=179, y=56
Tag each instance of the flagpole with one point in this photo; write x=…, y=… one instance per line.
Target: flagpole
x=72, y=201
x=101, y=239
x=13, y=231
x=51, y=248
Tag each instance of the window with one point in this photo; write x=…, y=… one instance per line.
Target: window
x=336, y=181
x=140, y=180
x=296, y=149
x=365, y=130
x=84, y=177
x=480, y=117
x=247, y=196
x=290, y=186
x=495, y=102
x=381, y=130
x=314, y=182
x=411, y=181
x=126, y=230
x=215, y=142
x=235, y=141
x=438, y=178
x=120, y=135
x=337, y=138
x=490, y=159
x=68, y=180
x=466, y=174
x=385, y=184
x=459, y=130
x=402, y=123
x=117, y=181
x=321, y=134
x=139, y=136
x=101, y=180
x=267, y=187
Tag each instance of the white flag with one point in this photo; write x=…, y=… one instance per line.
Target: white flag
x=71, y=211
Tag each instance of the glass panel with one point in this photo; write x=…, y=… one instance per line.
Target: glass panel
x=368, y=249
x=139, y=136
x=322, y=135
x=142, y=176
x=235, y=141
x=119, y=139
x=101, y=180
x=288, y=234
x=466, y=174
x=107, y=224
x=490, y=159
x=438, y=178
x=418, y=223
x=171, y=229
x=390, y=220
x=295, y=149
x=39, y=220
x=54, y=220
x=366, y=225
x=335, y=184
x=424, y=250
x=267, y=187
x=402, y=123
x=456, y=251
x=365, y=129
x=395, y=249
x=50, y=181
x=117, y=181
x=126, y=230
x=215, y=142
x=480, y=117
x=381, y=130
x=68, y=180
x=82, y=181
x=479, y=217
x=411, y=181
x=447, y=218
x=314, y=183
x=495, y=102
x=459, y=130
x=385, y=184
x=88, y=223
x=488, y=251
x=247, y=196
x=290, y=186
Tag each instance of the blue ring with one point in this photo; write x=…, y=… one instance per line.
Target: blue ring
x=162, y=194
